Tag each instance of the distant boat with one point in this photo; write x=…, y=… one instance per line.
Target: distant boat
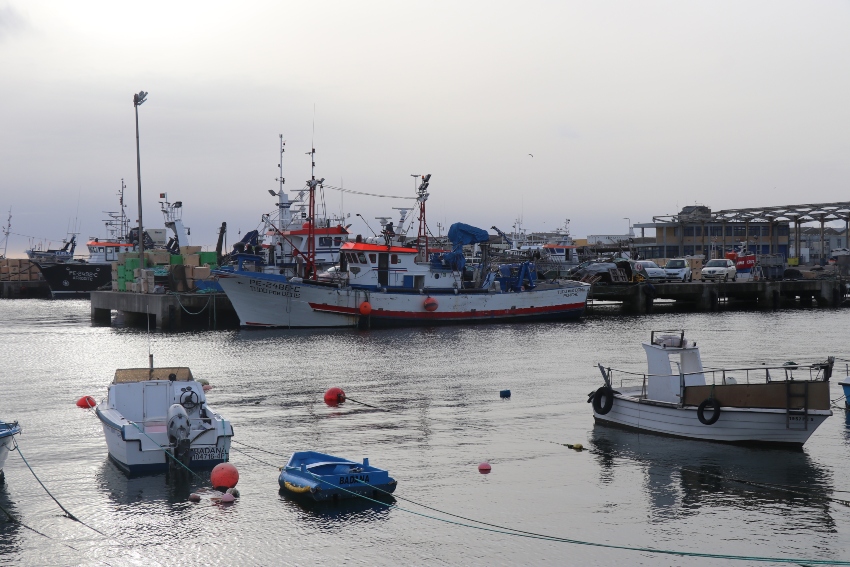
x=678, y=396
x=7, y=442
x=64, y=254
x=320, y=477
x=148, y=411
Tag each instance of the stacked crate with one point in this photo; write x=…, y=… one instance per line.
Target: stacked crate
x=128, y=275
x=17, y=270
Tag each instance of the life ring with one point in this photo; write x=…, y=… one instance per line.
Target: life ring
x=294, y=488
x=715, y=408
x=599, y=406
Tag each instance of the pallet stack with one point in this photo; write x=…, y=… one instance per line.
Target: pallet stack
x=18, y=270
x=161, y=268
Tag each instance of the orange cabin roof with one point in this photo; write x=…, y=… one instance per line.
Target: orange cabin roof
x=323, y=231
x=365, y=247
x=111, y=244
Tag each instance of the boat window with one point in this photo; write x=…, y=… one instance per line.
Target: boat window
x=337, y=241
x=325, y=241
x=361, y=257
x=394, y=258
x=372, y=258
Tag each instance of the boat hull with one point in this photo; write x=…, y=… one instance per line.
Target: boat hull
x=75, y=279
x=735, y=425
x=268, y=300
x=7, y=442
x=321, y=477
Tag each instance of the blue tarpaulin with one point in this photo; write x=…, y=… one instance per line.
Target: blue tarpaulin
x=462, y=234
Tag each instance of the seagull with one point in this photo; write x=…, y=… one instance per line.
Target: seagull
x=532, y=155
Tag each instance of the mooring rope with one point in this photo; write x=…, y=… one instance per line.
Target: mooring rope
x=557, y=539
x=67, y=512
x=167, y=454
x=258, y=449
x=772, y=486
x=180, y=303
x=255, y=458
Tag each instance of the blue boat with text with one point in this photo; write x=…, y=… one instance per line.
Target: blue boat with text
x=321, y=477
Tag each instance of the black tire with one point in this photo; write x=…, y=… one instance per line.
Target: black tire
x=715, y=411
x=602, y=407
x=725, y=277
x=690, y=277
x=735, y=277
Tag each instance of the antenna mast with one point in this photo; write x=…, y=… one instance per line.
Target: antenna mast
x=422, y=237
x=6, y=230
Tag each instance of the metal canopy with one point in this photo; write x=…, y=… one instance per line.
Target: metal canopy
x=814, y=212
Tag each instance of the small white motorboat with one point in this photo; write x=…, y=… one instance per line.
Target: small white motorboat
x=677, y=396
x=151, y=411
x=7, y=442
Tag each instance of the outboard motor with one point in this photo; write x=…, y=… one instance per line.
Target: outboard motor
x=179, y=451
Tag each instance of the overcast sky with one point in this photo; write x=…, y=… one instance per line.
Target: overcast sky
x=630, y=109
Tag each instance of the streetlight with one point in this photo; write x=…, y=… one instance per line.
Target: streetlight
x=629, y=235
x=629, y=232
x=138, y=100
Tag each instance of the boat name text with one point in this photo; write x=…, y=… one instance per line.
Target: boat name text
x=208, y=453
x=275, y=288
x=353, y=479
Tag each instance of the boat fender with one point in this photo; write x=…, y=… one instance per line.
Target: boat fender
x=431, y=304
x=365, y=308
x=715, y=408
x=603, y=400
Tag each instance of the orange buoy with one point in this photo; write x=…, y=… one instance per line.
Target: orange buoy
x=224, y=476
x=365, y=308
x=334, y=396
x=86, y=402
x=484, y=468
x=431, y=304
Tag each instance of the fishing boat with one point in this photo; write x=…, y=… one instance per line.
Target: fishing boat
x=321, y=477
x=149, y=411
x=399, y=283
x=7, y=442
x=845, y=383
x=58, y=255
x=678, y=396
x=78, y=278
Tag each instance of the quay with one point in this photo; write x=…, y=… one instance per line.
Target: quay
x=166, y=311
x=25, y=289
x=704, y=296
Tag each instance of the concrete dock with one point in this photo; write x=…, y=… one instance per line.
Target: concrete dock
x=705, y=296
x=19, y=290
x=167, y=311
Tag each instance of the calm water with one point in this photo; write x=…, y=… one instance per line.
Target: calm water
x=441, y=390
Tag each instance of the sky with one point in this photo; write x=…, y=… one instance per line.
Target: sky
x=628, y=109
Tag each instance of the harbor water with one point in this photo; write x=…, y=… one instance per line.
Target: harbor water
x=437, y=415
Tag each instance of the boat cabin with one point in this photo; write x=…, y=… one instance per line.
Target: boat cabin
x=672, y=362
x=144, y=395
x=281, y=247
x=374, y=266
x=107, y=251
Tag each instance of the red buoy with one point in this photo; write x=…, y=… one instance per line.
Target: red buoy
x=224, y=476
x=334, y=396
x=484, y=468
x=365, y=308
x=86, y=402
x=431, y=304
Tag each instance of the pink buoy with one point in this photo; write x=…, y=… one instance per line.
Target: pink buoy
x=334, y=396
x=86, y=402
x=484, y=468
x=224, y=476
x=227, y=498
x=206, y=387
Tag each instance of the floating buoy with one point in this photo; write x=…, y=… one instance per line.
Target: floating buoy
x=334, y=396
x=431, y=304
x=203, y=381
x=365, y=308
x=86, y=402
x=224, y=476
x=576, y=446
x=505, y=394
x=234, y=492
x=227, y=498
x=484, y=468
x=206, y=387
x=194, y=497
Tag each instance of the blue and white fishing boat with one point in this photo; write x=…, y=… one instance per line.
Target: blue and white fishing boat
x=151, y=410
x=845, y=383
x=323, y=477
x=7, y=442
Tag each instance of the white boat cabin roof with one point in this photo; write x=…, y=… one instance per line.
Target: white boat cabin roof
x=671, y=359
x=130, y=375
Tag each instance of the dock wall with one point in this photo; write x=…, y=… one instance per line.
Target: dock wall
x=170, y=311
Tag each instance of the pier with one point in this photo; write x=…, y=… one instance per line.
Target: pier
x=169, y=311
x=18, y=290
x=703, y=296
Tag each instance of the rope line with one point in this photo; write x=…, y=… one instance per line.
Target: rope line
x=771, y=486
x=253, y=457
x=67, y=513
x=180, y=303
x=167, y=454
x=531, y=535
x=258, y=449
x=340, y=189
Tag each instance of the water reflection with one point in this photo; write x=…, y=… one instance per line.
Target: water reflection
x=125, y=490
x=337, y=516
x=683, y=477
x=9, y=527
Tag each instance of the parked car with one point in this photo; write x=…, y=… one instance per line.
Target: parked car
x=649, y=270
x=722, y=270
x=678, y=269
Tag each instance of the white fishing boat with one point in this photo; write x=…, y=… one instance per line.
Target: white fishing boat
x=149, y=411
x=7, y=442
x=678, y=396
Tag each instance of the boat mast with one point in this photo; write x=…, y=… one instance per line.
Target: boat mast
x=6, y=230
x=422, y=237
x=310, y=266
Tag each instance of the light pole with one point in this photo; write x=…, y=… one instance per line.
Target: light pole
x=138, y=100
x=629, y=235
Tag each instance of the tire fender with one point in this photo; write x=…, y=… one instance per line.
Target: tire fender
x=602, y=407
x=715, y=411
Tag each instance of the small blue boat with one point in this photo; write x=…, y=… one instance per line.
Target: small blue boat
x=846, y=385
x=321, y=477
x=7, y=443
